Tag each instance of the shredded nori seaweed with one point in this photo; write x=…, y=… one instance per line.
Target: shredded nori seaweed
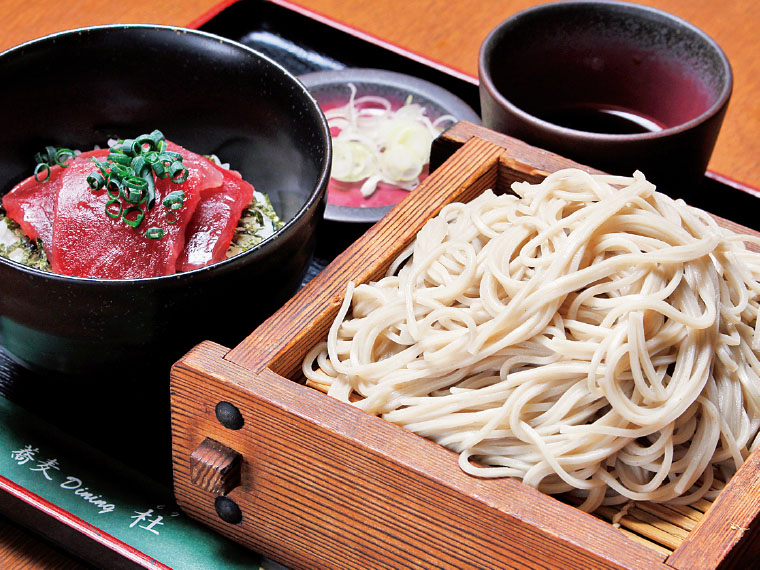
x=32, y=252
x=251, y=229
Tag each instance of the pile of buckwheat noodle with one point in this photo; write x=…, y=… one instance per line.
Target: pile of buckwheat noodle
x=588, y=335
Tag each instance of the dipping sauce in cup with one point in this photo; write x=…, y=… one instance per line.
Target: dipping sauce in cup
x=613, y=85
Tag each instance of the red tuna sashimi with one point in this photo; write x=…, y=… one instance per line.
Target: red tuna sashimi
x=210, y=231
x=31, y=204
x=87, y=243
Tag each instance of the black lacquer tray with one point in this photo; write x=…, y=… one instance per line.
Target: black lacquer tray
x=130, y=425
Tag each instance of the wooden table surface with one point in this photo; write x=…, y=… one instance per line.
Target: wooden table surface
x=446, y=31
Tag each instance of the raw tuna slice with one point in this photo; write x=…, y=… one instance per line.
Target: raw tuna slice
x=87, y=243
x=32, y=204
x=210, y=231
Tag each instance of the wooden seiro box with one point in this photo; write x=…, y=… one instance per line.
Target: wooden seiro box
x=314, y=483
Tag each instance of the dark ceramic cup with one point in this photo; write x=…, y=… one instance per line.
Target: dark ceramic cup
x=211, y=95
x=613, y=85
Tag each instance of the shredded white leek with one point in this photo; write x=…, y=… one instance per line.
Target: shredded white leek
x=377, y=144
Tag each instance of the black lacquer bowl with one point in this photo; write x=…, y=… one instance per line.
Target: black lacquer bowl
x=208, y=94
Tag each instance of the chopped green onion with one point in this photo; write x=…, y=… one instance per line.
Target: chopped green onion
x=51, y=155
x=131, y=220
x=123, y=147
x=47, y=156
x=159, y=169
x=133, y=189
x=151, y=141
x=109, y=209
x=128, y=177
x=174, y=200
x=178, y=172
x=133, y=146
x=102, y=166
x=62, y=155
x=150, y=191
x=135, y=182
x=119, y=158
x=120, y=170
x=39, y=168
x=154, y=233
x=140, y=165
x=96, y=181
x=113, y=188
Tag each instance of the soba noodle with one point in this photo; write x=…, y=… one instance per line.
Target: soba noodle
x=589, y=335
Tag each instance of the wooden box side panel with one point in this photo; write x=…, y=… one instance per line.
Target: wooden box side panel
x=728, y=536
x=520, y=160
x=326, y=485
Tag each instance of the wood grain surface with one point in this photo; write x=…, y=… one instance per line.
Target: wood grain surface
x=449, y=32
x=328, y=486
